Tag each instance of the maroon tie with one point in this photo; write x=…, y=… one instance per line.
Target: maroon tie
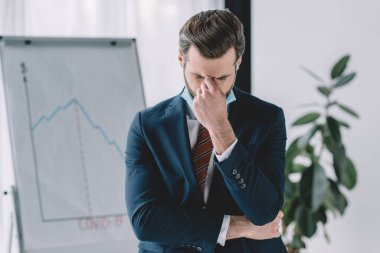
x=201, y=153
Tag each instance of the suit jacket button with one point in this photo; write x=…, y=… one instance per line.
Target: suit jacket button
x=241, y=181
x=199, y=249
x=234, y=172
x=237, y=176
x=242, y=186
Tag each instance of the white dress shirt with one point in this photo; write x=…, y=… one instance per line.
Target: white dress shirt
x=193, y=128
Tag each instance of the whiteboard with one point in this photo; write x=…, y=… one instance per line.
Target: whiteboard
x=70, y=103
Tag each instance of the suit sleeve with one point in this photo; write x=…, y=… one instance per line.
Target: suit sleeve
x=256, y=179
x=152, y=215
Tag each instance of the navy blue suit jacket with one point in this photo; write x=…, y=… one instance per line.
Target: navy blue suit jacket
x=164, y=203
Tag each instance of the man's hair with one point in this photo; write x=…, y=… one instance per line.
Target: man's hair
x=212, y=32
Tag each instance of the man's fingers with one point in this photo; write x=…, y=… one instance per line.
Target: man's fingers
x=210, y=84
x=279, y=228
x=278, y=218
x=280, y=214
x=198, y=92
x=276, y=226
x=276, y=229
x=204, y=88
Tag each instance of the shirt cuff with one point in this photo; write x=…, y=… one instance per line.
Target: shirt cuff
x=223, y=231
x=226, y=153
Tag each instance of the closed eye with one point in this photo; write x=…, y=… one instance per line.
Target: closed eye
x=221, y=78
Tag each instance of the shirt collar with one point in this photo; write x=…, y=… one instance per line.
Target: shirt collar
x=189, y=100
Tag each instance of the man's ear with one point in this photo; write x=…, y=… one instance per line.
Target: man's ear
x=238, y=62
x=181, y=58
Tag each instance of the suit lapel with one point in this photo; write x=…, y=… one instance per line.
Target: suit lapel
x=179, y=135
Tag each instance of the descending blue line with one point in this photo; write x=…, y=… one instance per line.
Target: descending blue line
x=92, y=123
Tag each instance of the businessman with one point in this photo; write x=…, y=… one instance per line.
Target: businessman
x=205, y=169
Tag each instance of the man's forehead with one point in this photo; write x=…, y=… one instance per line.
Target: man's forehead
x=199, y=65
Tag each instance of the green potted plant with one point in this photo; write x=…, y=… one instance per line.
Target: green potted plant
x=310, y=192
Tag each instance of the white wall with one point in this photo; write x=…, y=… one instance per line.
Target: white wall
x=315, y=33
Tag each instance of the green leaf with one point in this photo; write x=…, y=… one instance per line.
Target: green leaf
x=344, y=80
x=304, y=140
x=331, y=104
x=310, y=150
x=339, y=200
x=348, y=175
x=297, y=242
x=310, y=117
x=320, y=185
x=290, y=210
x=324, y=90
x=292, y=150
x=327, y=139
x=329, y=202
x=316, y=77
x=294, y=168
x=326, y=235
x=334, y=131
x=340, y=162
x=291, y=153
x=321, y=214
x=339, y=67
x=306, y=221
x=343, y=123
x=348, y=110
x=290, y=189
x=298, y=168
x=306, y=186
x=313, y=186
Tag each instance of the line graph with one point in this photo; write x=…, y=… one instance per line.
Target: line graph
x=71, y=129
x=75, y=102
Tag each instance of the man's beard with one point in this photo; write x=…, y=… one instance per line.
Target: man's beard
x=192, y=93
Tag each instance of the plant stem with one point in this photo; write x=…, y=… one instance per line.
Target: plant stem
x=326, y=114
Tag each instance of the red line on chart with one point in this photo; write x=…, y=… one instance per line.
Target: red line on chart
x=84, y=168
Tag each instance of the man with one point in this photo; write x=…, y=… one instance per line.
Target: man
x=205, y=169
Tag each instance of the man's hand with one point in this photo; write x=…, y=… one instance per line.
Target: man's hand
x=210, y=105
x=211, y=111
x=240, y=226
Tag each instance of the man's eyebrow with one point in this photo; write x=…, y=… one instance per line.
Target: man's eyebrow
x=221, y=77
